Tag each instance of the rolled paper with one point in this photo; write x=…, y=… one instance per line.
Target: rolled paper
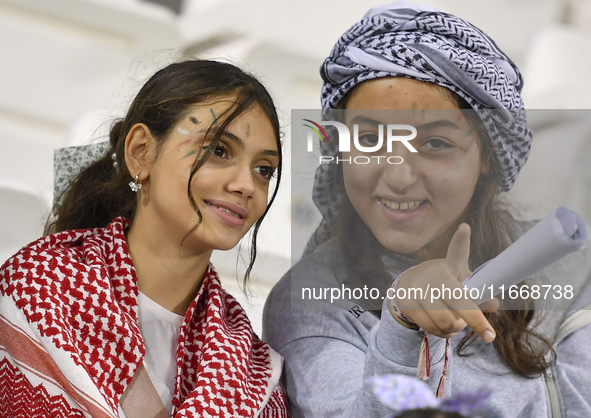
x=559, y=234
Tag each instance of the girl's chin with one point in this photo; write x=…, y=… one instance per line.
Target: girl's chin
x=200, y=244
x=409, y=249
x=225, y=247
x=402, y=248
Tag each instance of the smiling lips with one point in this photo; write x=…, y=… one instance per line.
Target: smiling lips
x=401, y=206
x=226, y=210
x=402, y=212
x=233, y=214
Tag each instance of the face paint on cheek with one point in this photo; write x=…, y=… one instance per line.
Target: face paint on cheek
x=459, y=117
x=469, y=132
x=178, y=147
x=215, y=118
x=192, y=152
x=183, y=131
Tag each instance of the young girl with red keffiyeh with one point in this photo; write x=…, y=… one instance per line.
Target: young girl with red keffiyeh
x=118, y=312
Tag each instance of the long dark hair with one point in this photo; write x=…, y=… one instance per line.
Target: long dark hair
x=100, y=192
x=520, y=347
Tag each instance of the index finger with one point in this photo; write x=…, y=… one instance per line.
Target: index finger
x=469, y=311
x=464, y=307
x=477, y=321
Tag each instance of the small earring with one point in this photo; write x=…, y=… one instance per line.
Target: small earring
x=135, y=185
x=115, y=163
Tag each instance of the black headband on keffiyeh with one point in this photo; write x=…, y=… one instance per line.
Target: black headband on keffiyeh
x=419, y=42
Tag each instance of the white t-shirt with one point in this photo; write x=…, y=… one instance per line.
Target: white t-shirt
x=160, y=329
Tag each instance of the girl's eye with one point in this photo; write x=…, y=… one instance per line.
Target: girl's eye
x=220, y=151
x=437, y=144
x=369, y=139
x=265, y=170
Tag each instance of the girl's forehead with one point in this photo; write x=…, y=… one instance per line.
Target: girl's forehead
x=400, y=93
x=207, y=111
x=252, y=129
x=425, y=118
x=212, y=111
x=202, y=116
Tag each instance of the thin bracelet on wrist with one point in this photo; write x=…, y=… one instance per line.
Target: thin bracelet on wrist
x=406, y=323
x=395, y=311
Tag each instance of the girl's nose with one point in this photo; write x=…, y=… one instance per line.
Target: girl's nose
x=399, y=177
x=241, y=181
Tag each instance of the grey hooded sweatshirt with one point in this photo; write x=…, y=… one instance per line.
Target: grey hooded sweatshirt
x=330, y=349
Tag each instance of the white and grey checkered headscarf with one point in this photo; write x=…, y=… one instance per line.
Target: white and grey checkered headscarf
x=419, y=42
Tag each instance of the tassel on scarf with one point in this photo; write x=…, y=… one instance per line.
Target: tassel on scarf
x=424, y=370
x=441, y=388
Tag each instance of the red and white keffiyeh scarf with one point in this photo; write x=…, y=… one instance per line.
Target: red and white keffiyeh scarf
x=70, y=342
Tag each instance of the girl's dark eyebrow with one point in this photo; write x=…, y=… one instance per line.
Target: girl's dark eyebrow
x=443, y=123
x=226, y=134
x=240, y=143
x=365, y=119
x=270, y=152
